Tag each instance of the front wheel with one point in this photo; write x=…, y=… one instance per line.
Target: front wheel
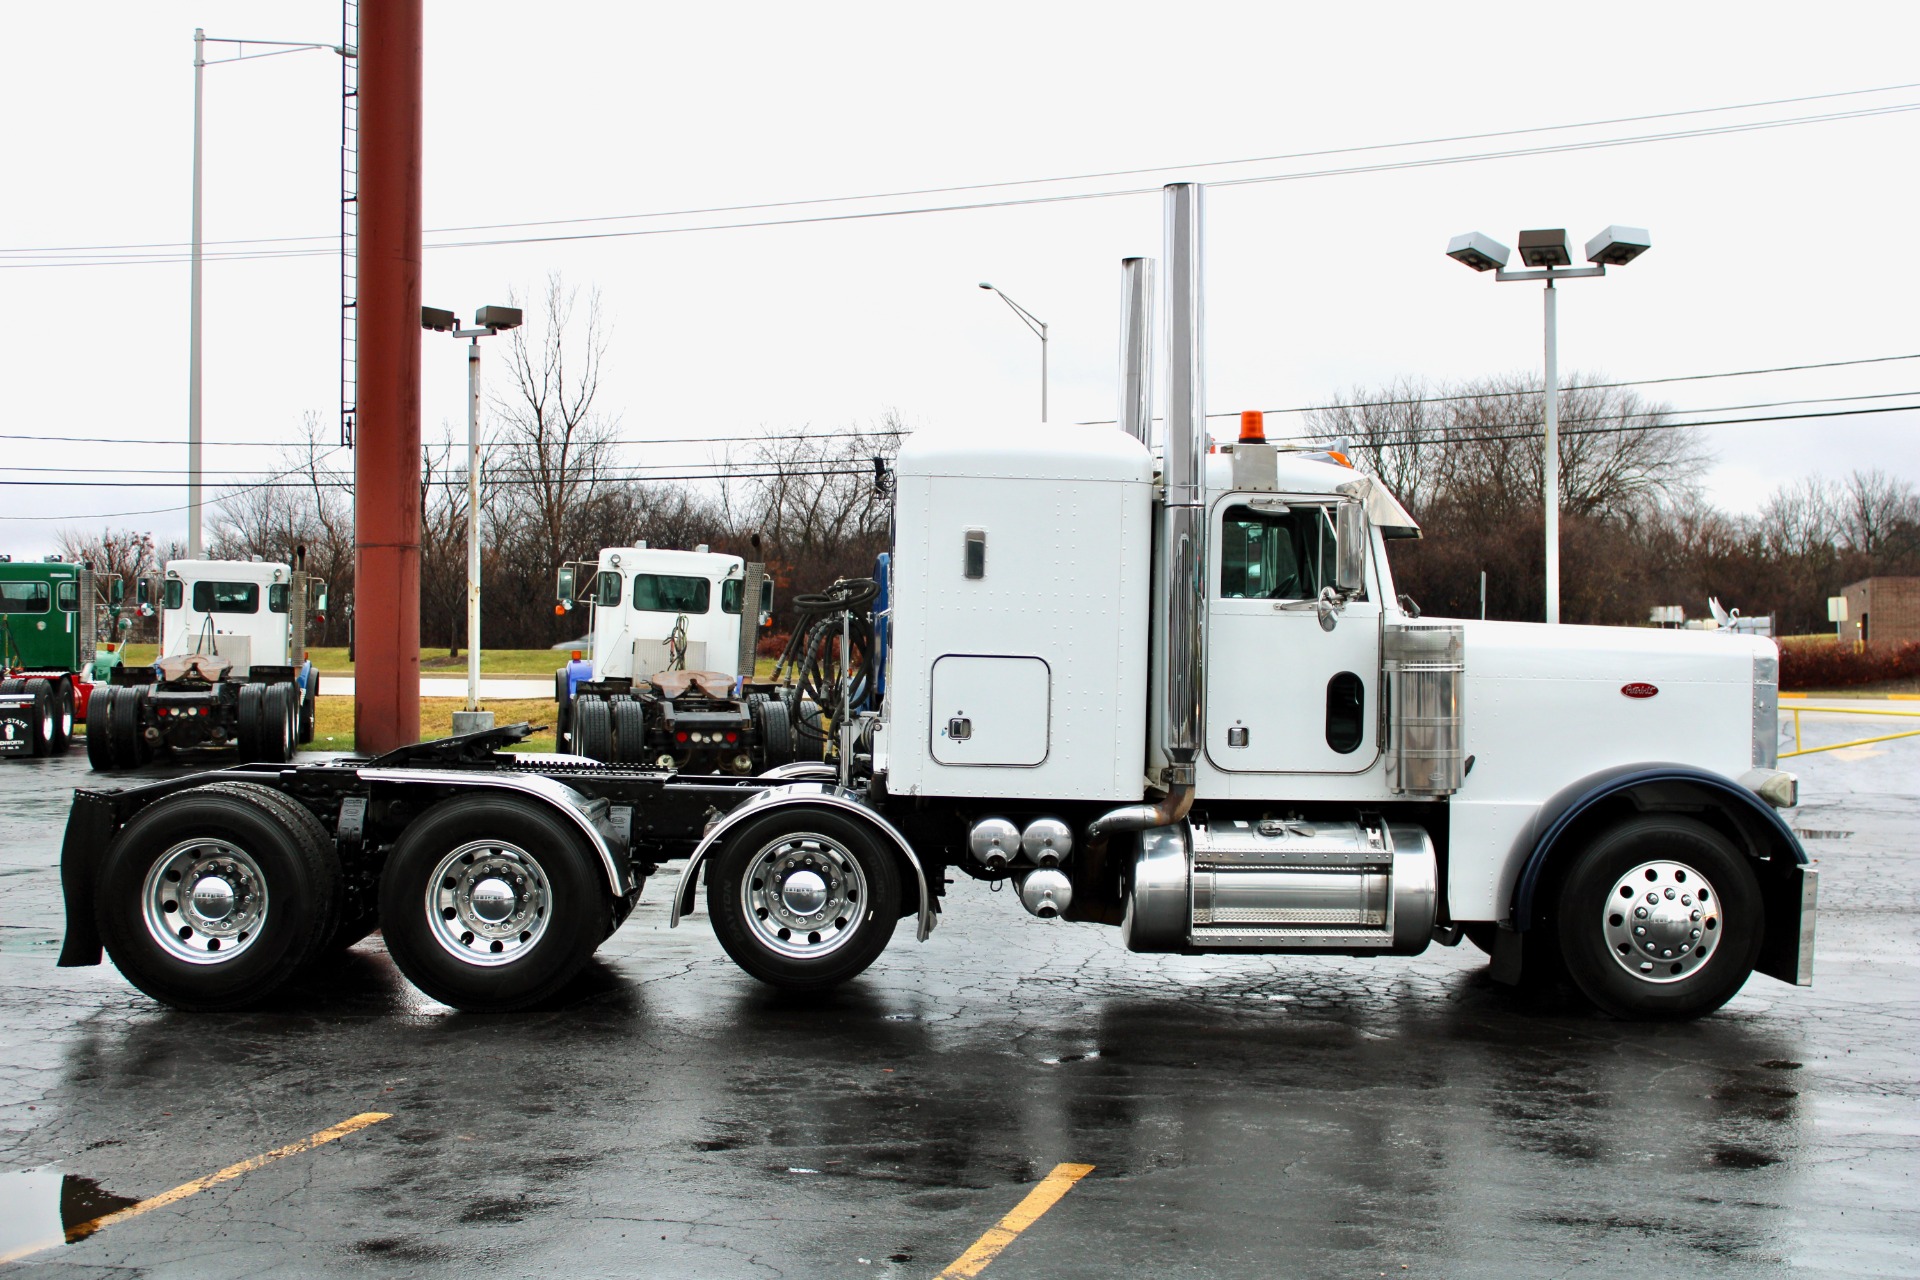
x=1660, y=917
x=803, y=899
x=489, y=903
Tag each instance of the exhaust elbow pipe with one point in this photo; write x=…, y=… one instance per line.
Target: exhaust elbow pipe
x=1144, y=817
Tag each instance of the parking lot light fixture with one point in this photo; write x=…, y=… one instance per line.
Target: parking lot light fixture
x=1546, y=251
x=487, y=321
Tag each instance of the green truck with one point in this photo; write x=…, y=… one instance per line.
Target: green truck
x=50, y=655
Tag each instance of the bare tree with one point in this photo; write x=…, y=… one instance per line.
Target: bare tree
x=554, y=442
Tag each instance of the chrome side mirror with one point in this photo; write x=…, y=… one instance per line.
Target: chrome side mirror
x=1350, y=548
x=1328, y=607
x=563, y=589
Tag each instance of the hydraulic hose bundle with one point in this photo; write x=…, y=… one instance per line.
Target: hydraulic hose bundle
x=814, y=655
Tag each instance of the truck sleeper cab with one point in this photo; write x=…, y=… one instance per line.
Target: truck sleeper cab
x=50, y=658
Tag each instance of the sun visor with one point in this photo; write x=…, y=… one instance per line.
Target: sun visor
x=1383, y=509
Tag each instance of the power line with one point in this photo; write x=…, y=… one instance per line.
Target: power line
x=1022, y=182
x=1534, y=391
x=502, y=471
x=1445, y=435
x=1097, y=422
x=971, y=206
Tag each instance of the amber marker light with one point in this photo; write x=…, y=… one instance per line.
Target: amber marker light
x=1253, y=427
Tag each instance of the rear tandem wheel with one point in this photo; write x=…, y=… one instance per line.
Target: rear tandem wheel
x=489, y=903
x=212, y=898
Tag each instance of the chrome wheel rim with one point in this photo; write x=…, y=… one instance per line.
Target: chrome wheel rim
x=204, y=901
x=803, y=896
x=488, y=902
x=1662, y=921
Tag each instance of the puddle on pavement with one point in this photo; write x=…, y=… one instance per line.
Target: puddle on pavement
x=39, y=1207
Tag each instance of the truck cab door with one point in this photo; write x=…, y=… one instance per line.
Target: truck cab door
x=1284, y=694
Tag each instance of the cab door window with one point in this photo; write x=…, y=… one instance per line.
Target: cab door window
x=606, y=588
x=24, y=597
x=1276, y=555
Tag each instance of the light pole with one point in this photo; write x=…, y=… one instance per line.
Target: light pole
x=487, y=321
x=1039, y=326
x=1547, y=251
x=200, y=64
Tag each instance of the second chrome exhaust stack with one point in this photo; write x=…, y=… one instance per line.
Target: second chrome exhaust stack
x=1184, y=568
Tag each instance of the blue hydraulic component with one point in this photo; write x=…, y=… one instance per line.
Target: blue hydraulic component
x=882, y=574
x=578, y=669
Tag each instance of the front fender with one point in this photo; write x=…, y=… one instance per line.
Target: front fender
x=1788, y=883
x=818, y=795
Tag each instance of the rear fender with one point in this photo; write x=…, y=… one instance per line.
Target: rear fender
x=1567, y=821
x=817, y=795
x=595, y=819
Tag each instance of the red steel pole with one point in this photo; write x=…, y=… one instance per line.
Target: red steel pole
x=386, y=521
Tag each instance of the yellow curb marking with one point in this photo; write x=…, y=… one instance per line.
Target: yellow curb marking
x=1025, y=1214
x=81, y=1230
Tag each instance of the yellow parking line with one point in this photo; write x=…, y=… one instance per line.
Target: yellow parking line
x=81, y=1230
x=1025, y=1214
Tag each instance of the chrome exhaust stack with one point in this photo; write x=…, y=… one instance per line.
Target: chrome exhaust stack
x=1136, y=349
x=1184, y=569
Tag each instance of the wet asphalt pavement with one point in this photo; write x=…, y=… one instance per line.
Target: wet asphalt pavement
x=1269, y=1117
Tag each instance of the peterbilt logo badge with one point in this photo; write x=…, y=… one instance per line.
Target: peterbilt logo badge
x=1639, y=689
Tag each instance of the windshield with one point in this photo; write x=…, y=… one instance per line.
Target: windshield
x=24, y=597
x=226, y=597
x=667, y=593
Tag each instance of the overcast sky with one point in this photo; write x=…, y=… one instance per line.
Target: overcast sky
x=1773, y=246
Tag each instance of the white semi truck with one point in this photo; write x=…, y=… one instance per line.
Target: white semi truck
x=1174, y=692
x=668, y=677
x=232, y=668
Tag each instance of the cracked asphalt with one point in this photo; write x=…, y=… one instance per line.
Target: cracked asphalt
x=1245, y=1117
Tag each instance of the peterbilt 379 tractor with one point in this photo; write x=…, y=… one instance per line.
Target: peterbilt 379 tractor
x=1172, y=691
x=232, y=669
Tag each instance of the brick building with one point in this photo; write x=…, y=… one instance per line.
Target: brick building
x=1885, y=609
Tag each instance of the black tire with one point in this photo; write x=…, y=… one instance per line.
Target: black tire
x=309, y=709
x=1672, y=858
x=443, y=952
x=774, y=843
x=130, y=746
x=593, y=728
x=776, y=732
x=280, y=718
x=296, y=874
x=11, y=685
x=629, y=732
x=249, y=723
x=808, y=726
x=102, y=746
x=45, y=717
x=62, y=715
x=563, y=710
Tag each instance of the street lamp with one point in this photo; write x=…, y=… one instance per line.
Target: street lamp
x=487, y=321
x=201, y=40
x=1039, y=326
x=1546, y=251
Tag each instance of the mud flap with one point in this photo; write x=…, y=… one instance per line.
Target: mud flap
x=1792, y=908
x=90, y=829
x=16, y=725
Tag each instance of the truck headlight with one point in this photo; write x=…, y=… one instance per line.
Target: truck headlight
x=1766, y=710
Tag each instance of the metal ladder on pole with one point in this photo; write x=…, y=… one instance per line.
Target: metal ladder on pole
x=349, y=217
